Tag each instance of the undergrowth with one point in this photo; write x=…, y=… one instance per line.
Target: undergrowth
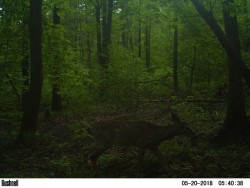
x=57, y=152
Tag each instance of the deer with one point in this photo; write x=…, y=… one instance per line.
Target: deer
x=126, y=133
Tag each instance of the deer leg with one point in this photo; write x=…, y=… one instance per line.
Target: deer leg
x=155, y=150
x=87, y=151
x=97, y=151
x=140, y=157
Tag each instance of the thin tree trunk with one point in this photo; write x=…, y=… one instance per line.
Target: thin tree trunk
x=139, y=33
x=81, y=47
x=208, y=74
x=124, y=34
x=29, y=120
x=139, y=40
x=89, y=49
x=25, y=77
x=109, y=21
x=193, y=68
x=89, y=42
x=147, y=46
x=56, y=104
x=107, y=12
x=175, y=61
x=131, y=43
x=25, y=66
x=98, y=31
x=104, y=35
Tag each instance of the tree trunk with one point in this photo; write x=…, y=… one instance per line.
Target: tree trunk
x=230, y=42
x=246, y=28
x=29, y=120
x=104, y=55
x=125, y=34
x=89, y=41
x=139, y=33
x=225, y=42
x=192, y=69
x=175, y=61
x=89, y=49
x=25, y=78
x=25, y=66
x=78, y=43
x=147, y=46
x=107, y=12
x=56, y=104
x=109, y=20
x=236, y=113
x=81, y=46
x=131, y=43
x=98, y=31
x=104, y=31
x=208, y=74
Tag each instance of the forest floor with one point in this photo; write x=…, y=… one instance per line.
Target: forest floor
x=56, y=153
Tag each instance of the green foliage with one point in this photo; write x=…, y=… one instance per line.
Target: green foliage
x=62, y=165
x=80, y=131
x=82, y=82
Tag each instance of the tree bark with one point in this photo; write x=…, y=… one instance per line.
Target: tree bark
x=89, y=43
x=246, y=28
x=193, y=69
x=175, y=61
x=29, y=120
x=107, y=13
x=131, y=43
x=104, y=31
x=147, y=46
x=125, y=34
x=56, y=103
x=139, y=32
x=98, y=31
x=25, y=66
x=81, y=42
x=25, y=78
x=236, y=113
x=104, y=55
